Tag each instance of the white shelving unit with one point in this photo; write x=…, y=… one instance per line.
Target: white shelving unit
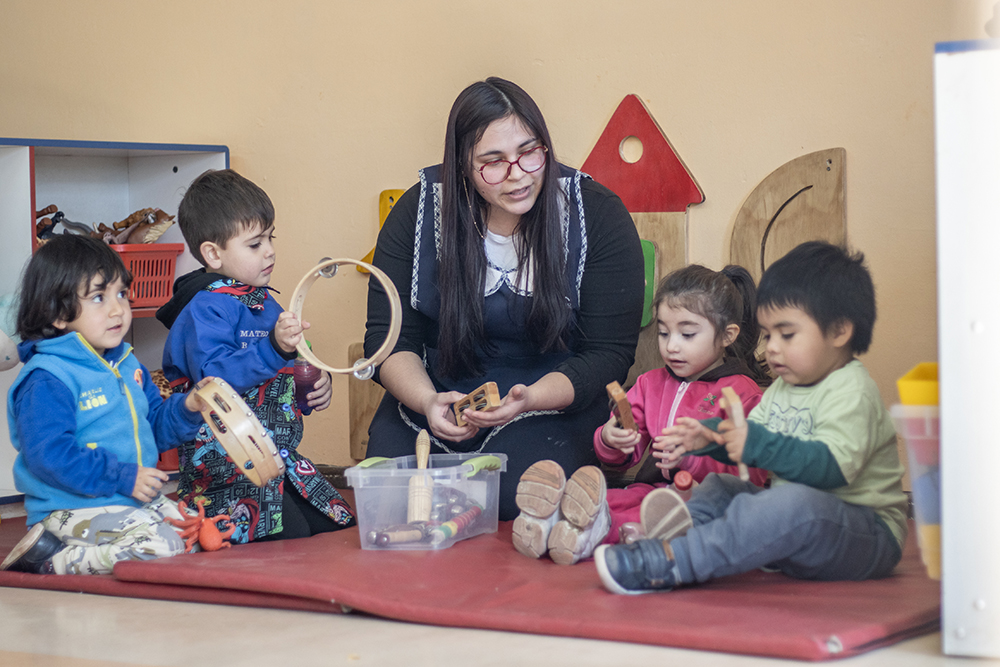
x=90, y=182
x=967, y=136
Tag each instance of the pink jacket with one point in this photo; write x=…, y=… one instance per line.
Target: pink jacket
x=658, y=398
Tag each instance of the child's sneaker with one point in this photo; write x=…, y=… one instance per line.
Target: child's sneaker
x=664, y=515
x=34, y=552
x=539, y=494
x=641, y=567
x=585, y=506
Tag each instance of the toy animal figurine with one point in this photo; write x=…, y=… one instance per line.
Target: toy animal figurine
x=198, y=529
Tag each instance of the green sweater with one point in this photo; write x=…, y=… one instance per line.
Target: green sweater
x=835, y=435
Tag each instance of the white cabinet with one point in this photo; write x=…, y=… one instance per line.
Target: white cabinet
x=90, y=182
x=966, y=109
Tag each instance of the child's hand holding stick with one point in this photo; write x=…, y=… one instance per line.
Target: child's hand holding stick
x=736, y=436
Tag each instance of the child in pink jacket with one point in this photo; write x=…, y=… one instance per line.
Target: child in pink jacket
x=708, y=337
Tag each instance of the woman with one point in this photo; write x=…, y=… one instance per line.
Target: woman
x=511, y=268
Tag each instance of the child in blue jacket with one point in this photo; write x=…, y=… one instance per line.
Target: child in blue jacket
x=87, y=421
x=223, y=321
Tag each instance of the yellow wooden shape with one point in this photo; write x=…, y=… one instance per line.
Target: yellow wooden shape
x=386, y=200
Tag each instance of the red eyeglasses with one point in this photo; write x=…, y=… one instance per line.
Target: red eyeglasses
x=529, y=161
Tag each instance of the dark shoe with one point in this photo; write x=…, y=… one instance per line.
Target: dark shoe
x=34, y=552
x=641, y=567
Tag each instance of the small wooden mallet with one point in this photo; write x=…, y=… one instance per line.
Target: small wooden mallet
x=421, y=491
x=734, y=408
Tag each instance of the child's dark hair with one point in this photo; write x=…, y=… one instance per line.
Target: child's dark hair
x=51, y=284
x=723, y=298
x=829, y=283
x=218, y=205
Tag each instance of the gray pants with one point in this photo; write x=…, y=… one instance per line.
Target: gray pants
x=801, y=531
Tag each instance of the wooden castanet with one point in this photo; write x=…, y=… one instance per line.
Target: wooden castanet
x=421, y=489
x=240, y=433
x=734, y=408
x=485, y=398
x=620, y=406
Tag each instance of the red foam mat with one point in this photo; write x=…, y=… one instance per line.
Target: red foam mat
x=485, y=583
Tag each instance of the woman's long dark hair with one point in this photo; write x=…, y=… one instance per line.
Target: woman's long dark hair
x=462, y=266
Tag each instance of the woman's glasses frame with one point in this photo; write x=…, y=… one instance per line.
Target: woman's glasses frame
x=495, y=163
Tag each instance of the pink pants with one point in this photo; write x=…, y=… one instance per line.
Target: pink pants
x=624, y=505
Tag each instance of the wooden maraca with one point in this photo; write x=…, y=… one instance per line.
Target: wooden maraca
x=421, y=489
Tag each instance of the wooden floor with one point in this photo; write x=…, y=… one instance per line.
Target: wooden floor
x=48, y=628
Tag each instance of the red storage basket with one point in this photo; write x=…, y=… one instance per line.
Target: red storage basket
x=152, y=266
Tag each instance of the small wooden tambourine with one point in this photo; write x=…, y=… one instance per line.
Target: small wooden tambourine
x=240, y=432
x=734, y=408
x=363, y=368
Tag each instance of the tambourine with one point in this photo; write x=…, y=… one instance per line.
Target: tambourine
x=327, y=268
x=240, y=433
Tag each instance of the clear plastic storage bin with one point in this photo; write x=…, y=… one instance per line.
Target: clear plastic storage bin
x=919, y=426
x=464, y=498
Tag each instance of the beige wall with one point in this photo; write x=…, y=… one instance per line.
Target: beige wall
x=325, y=104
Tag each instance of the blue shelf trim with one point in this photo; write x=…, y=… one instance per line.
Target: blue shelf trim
x=116, y=145
x=967, y=45
x=11, y=498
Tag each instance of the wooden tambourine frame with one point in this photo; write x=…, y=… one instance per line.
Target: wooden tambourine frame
x=363, y=368
x=240, y=432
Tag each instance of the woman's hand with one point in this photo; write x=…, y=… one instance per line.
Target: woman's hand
x=517, y=400
x=441, y=417
x=616, y=437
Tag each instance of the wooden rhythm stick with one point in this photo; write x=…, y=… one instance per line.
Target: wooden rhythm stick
x=363, y=368
x=240, y=432
x=485, y=398
x=734, y=407
x=620, y=406
x=421, y=490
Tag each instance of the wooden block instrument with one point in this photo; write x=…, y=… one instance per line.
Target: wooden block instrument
x=486, y=397
x=620, y=406
x=421, y=489
x=734, y=408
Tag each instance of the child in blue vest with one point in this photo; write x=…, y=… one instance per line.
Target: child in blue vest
x=87, y=421
x=223, y=321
